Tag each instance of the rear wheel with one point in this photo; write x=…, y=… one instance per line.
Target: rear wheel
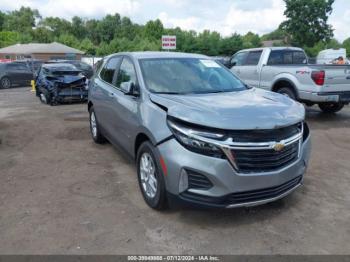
x=331, y=107
x=95, y=129
x=286, y=91
x=5, y=82
x=150, y=177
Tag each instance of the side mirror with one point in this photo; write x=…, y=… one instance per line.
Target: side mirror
x=129, y=88
x=232, y=64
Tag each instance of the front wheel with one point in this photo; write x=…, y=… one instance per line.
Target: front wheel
x=150, y=177
x=286, y=91
x=45, y=98
x=331, y=108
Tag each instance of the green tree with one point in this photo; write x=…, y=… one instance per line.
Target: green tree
x=42, y=35
x=57, y=25
x=307, y=21
x=22, y=20
x=251, y=40
x=9, y=38
x=154, y=30
x=69, y=40
x=346, y=45
x=78, y=28
x=108, y=26
x=2, y=20
x=88, y=47
x=231, y=45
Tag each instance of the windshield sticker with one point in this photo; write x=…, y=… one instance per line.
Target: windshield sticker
x=209, y=63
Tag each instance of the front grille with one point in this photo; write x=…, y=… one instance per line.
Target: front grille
x=264, y=135
x=198, y=181
x=265, y=160
x=243, y=197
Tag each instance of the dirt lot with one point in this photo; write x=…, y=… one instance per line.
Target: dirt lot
x=62, y=194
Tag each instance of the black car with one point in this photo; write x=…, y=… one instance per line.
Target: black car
x=33, y=64
x=60, y=82
x=15, y=73
x=85, y=68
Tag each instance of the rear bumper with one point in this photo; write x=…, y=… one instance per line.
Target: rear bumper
x=324, y=97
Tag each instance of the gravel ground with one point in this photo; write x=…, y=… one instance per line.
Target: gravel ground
x=62, y=194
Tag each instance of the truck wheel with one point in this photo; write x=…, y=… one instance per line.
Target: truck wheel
x=150, y=177
x=331, y=108
x=5, y=82
x=286, y=91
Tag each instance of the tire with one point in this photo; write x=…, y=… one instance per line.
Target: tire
x=150, y=177
x=45, y=98
x=331, y=108
x=287, y=91
x=95, y=129
x=5, y=82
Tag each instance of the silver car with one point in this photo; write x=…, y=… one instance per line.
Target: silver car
x=197, y=133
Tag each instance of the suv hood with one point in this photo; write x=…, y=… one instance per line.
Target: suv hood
x=249, y=109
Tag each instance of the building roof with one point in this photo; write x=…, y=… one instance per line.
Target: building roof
x=39, y=48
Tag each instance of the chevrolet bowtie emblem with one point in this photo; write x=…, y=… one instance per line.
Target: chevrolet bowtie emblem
x=278, y=147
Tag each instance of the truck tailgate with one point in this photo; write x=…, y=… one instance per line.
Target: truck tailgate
x=337, y=79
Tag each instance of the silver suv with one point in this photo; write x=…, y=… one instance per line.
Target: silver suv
x=197, y=133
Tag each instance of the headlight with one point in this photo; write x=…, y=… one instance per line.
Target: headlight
x=195, y=139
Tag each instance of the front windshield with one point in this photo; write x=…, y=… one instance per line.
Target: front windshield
x=188, y=76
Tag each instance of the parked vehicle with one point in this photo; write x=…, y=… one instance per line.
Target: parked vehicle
x=33, y=64
x=85, y=68
x=225, y=60
x=58, y=83
x=197, y=133
x=14, y=73
x=285, y=70
x=329, y=56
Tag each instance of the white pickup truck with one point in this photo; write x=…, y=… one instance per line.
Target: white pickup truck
x=286, y=70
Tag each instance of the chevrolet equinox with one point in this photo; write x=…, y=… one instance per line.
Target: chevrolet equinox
x=198, y=134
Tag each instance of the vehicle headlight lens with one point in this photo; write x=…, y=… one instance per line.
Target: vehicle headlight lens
x=194, y=140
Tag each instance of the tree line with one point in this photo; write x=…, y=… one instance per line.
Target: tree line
x=306, y=26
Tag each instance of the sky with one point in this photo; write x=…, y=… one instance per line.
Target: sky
x=224, y=16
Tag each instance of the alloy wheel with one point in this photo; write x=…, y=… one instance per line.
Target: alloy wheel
x=148, y=175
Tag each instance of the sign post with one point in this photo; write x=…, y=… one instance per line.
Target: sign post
x=169, y=42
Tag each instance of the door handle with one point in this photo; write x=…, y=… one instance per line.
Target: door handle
x=111, y=94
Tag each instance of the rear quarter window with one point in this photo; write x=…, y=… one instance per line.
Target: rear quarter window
x=286, y=57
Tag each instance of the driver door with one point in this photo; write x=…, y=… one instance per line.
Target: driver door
x=125, y=106
x=237, y=62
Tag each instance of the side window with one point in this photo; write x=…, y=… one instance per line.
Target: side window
x=275, y=58
x=239, y=59
x=126, y=72
x=286, y=57
x=299, y=57
x=22, y=67
x=108, y=71
x=253, y=58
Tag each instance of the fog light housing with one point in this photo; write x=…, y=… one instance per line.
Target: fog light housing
x=183, y=181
